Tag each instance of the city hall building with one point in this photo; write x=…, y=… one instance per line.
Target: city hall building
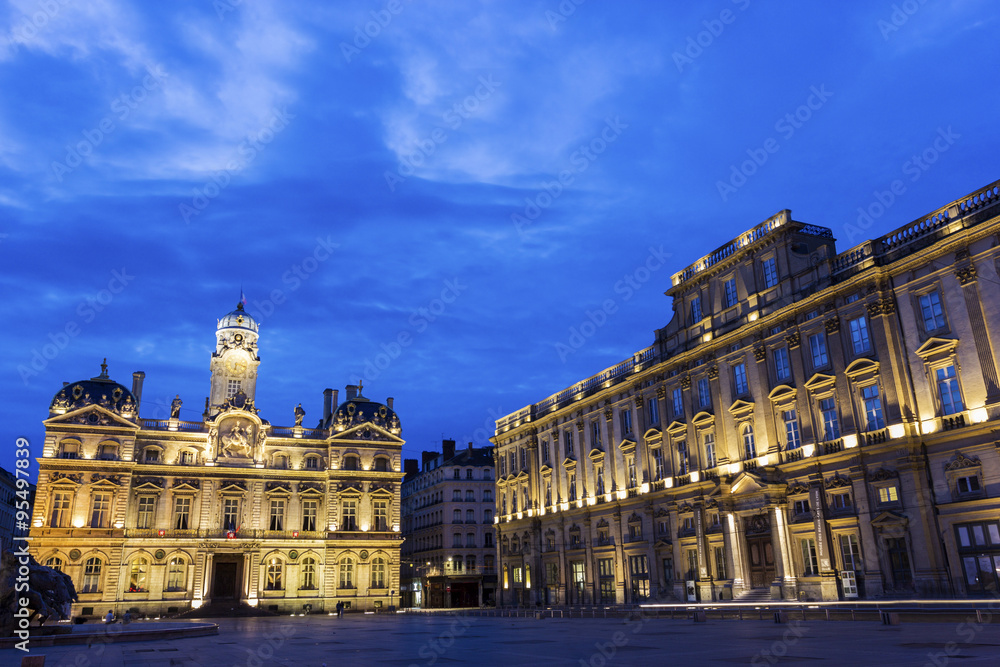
x=165, y=515
x=810, y=425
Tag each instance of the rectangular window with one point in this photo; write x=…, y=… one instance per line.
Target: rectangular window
x=100, y=515
x=568, y=437
x=704, y=394
x=850, y=552
x=470, y=516
x=817, y=345
x=682, y=458
x=572, y=486
x=630, y=467
x=182, y=512
x=831, y=425
x=770, y=272
x=233, y=388
x=380, y=514
x=470, y=540
x=678, y=404
x=545, y=451
x=639, y=569
x=595, y=433
x=231, y=513
x=792, y=438
x=456, y=540
x=801, y=506
x=599, y=476
x=968, y=484
x=579, y=580
x=606, y=577
x=696, y=310
x=658, y=464
x=840, y=502
x=709, y=450
x=309, y=510
x=951, y=398
x=873, y=408
x=626, y=418
x=810, y=566
x=654, y=412
x=349, y=515
x=731, y=297
x=740, y=379
x=668, y=570
x=92, y=576
x=859, y=336
x=888, y=494
x=720, y=563
x=931, y=311
x=144, y=515
x=60, y=510
x=782, y=368
x=277, y=515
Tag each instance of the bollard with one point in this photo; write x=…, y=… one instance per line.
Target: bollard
x=700, y=617
x=781, y=617
x=890, y=618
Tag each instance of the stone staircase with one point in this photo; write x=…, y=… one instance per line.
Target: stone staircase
x=754, y=595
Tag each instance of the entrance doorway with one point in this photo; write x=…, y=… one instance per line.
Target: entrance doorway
x=224, y=583
x=761, y=554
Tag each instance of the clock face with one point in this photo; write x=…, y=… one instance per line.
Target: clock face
x=236, y=365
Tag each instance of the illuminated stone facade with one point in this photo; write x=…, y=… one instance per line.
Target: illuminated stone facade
x=809, y=425
x=165, y=514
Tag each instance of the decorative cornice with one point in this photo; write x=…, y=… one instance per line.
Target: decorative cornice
x=838, y=481
x=961, y=462
x=882, y=475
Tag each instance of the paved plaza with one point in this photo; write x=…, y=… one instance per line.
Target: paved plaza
x=415, y=639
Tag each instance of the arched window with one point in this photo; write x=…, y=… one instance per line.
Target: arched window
x=275, y=569
x=749, y=444
x=92, y=576
x=70, y=450
x=107, y=452
x=151, y=455
x=280, y=461
x=352, y=463
x=55, y=562
x=308, y=573
x=137, y=575
x=186, y=458
x=176, y=571
x=312, y=463
x=347, y=573
x=378, y=573
x=382, y=464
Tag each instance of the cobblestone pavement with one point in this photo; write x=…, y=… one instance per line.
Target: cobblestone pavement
x=444, y=640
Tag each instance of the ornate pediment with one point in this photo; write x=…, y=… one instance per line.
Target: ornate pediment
x=349, y=488
x=635, y=518
x=603, y=523
x=782, y=394
x=797, y=489
x=380, y=489
x=569, y=462
x=367, y=432
x=278, y=487
x=961, y=462
x=838, y=481
x=310, y=488
x=661, y=512
x=239, y=402
x=746, y=483
x=936, y=348
x=861, y=367
x=233, y=485
x=149, y=483
x=889, y=519
x=652, y=435
x=627, y=445
x=596, y=454
x=757, y=524
x=545, y=470
x=677, y=428
x=703, y=419
x=66, y=478
x=663, y=542
x=741, y=408
x=190, y=484
x=97, y=479
x=820, y=381
x=882, y=475
x=91, y=415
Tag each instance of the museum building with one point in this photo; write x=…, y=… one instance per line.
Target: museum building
x=810, y=425
x=164, y=515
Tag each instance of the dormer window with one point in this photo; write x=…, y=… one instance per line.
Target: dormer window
x=186, y=458
x=352, y=463
x=151, y=455
x=70, y=450
x=312, y=463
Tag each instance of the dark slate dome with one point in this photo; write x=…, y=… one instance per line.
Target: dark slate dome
x=238, y=319
x=360, y=410
x=100, y=390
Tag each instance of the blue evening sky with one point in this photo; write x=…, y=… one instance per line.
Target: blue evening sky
x=453, y=185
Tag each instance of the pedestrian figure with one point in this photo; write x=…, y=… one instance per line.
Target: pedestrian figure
x=110, y=618
x=340, y=609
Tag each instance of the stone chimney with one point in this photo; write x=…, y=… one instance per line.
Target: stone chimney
x=352, y=392
x=427, y=457
x=448, y=447
x=411, y=468
x=137, y=378
x=388, y=402
x=327, y=405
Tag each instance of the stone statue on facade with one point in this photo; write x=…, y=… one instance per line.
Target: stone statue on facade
x=299, y=414
x=175, y=407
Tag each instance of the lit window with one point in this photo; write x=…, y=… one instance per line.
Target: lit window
x=888, y=494
x=308, y=573
x=277, y=515
x=704, y=395
x=782, y=368
x=92, y=576
x=654, y=412
x=60, y=510
x=740, y=379
x=137, y=575
x=378, y=573
x=731, y=297
x=951, y=398
x=859, y=335
x=678, y=403
x=931, y=311
x=696, y=310
x=275, y=571
x=709, y=441
x=831, y=426
x=817, y=344
x=347, y=573
x=176, y=574
x=100, y=515
x=749, y=444
x=144, y=516
x=873, y=407
x=349, y=515
x=309, y=511
x=810, y=565
x=792, y=438
x=770, y=272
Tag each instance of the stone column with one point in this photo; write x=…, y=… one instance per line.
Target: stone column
x=784, y=569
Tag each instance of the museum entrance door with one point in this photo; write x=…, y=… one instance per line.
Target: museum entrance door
x=761, y=555
x=225, y=582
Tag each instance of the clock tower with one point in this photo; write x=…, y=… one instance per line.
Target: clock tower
x=235, y=361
